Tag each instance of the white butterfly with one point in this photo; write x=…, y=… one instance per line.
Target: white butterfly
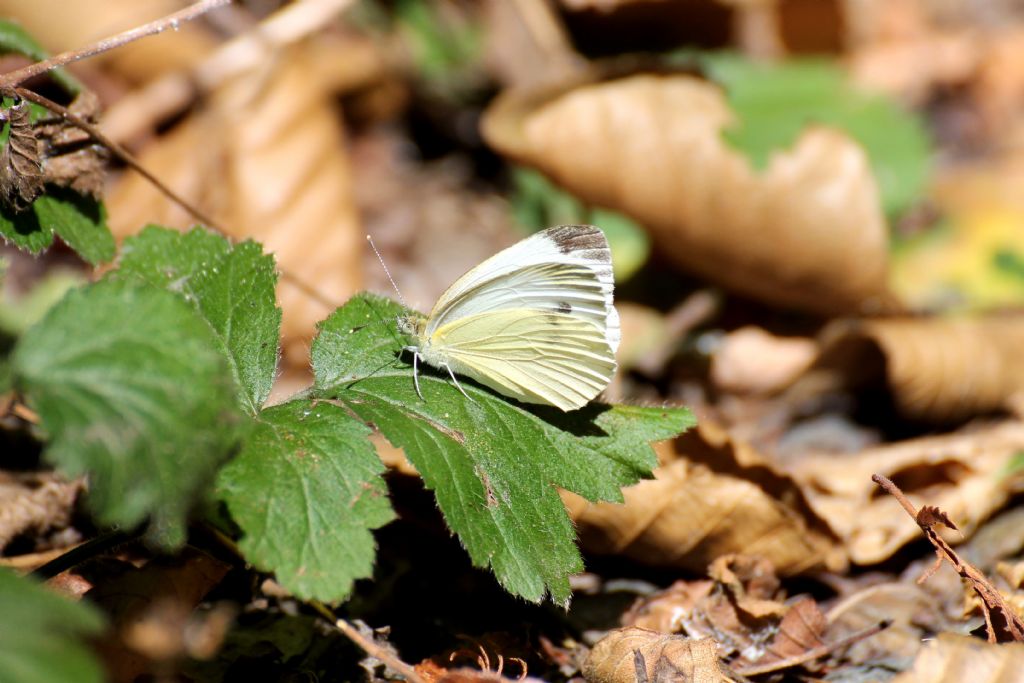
x=534, y=322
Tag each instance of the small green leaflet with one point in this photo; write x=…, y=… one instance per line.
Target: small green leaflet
x=494, y=466
x=306, y=489
x=41, y=635
x=232, y=287
x=131, y=388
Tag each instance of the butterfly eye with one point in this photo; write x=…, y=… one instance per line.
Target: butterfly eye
x=405, y=325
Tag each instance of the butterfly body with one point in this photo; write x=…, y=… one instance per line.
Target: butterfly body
x=534, y=322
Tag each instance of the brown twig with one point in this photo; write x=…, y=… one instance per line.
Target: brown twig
x=171, y=21
x=120, y=152
x=374, y=650
x=991, y=600
x=10, y=405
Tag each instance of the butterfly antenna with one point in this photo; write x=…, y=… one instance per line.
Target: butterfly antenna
x=387, y=272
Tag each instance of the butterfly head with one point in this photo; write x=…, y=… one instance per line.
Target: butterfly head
x=412, y=325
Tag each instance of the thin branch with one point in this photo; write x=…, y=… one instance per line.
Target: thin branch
x=118, y=151
x=374, y=650
x=895, y=492
x=991, y=599
x=171, y=21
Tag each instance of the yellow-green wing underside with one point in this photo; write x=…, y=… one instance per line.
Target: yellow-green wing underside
x=534, y=356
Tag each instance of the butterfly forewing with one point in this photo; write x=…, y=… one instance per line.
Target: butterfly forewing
x=566, y=269
x=534, y=322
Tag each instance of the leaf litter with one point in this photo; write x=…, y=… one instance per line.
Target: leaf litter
x=779, y=305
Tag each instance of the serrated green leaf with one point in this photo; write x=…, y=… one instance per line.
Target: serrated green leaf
x=13, y=38
x=775, y=103
x=231, y=286
x=306, y=490
x=494, y=466
x=41, y=635
x=79, y=220
x=131, y=387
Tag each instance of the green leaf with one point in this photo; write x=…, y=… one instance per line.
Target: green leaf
x=439, y=45
x=130, y=386
x=231, y=286
x=41, y=635
x=24, y=230
x=494, y=465
x=13, y=38
x=775, y=102
x=79, y=220
x=306, y=490
x=538, y=202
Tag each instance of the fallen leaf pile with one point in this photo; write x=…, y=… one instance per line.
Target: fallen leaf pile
x=856, y=371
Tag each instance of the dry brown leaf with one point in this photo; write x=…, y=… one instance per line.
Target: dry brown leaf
x=688, y=516
x=808, y=232
x=958, y=472
x=912, y=614
x=936, y=368
x=151, y=610
x=665, y=610
x=266, y=158
x=751, y=360
x=35, y=503
x=953, y=658
x=613, y=661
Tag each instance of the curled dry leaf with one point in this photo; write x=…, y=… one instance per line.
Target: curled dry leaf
x=807, y=233
x=688, y=661
x=751, y=360
x=953, y=658
x=936, y=368
x=958, y=472
x=687, y=516
x=21, y=170
x=266, y=159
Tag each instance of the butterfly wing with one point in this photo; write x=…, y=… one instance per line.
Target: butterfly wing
x=566, y=269
x=532, y=355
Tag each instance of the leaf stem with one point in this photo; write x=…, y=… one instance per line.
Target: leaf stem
x=374, y=650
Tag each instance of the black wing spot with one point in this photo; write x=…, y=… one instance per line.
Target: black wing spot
x=564, y=307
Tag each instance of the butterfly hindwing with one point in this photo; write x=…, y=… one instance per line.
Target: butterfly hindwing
x=534, y=356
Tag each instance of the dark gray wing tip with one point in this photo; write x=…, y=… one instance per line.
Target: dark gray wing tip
x=573, y=238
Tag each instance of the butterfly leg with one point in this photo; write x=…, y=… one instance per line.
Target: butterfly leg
x=416, y=369
x=457, y=385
